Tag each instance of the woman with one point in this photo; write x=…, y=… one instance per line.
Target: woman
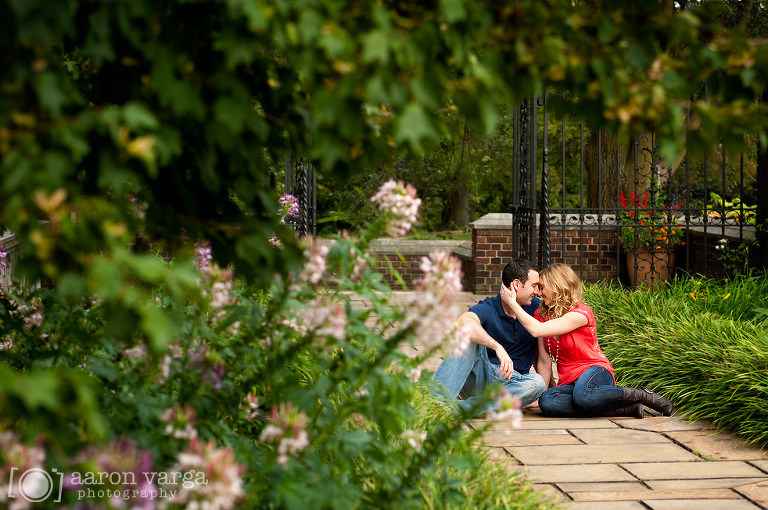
x=567, y=333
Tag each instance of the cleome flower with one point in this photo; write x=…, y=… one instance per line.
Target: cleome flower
x=3, y=265
x=120, y=456
x=429, y=309
x=400, y=206
x=287, y=428
x=289, y=207
x=210, y=477
x=179, y=422
x=18, y=459
x=314, y=269
x=507, y=408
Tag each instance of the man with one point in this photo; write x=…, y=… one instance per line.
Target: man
x=502, y=351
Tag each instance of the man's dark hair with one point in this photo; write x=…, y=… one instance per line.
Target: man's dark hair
x=517, y=270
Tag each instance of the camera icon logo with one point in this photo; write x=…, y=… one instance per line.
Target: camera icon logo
x=35, y=485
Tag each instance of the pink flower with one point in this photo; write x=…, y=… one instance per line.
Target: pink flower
x=325, y=320
x=287, y=427
x=442, y=273
x=210, y=477
x=414, y=438
x=179, y=422
x=429, y=310
x=289, y=207
x=208, y=362
x=3, y=254
x=315, y=267
x=119, y=456
x=7, y=345
x=508, y=407
x=203, y=255
x=250, y=406
x=400, y=206
x=14, y=454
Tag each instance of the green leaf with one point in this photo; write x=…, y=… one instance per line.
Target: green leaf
x=231, y=113
x=138, y=117
x=673, y=80
x=414, y=127
x=49, y=89
x=310, y=25
x=375, y=47
x=158, y=326
x=257, y=13
x=638, y=57
x=106, y=278
x=453, y=10
x=38, y=389
x=148, y=267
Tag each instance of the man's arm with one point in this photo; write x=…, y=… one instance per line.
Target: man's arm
x=481, y=337
x=544, y=363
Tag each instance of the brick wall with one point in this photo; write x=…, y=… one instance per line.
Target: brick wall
x=590, y=250
x=405, y=258
x=700, y=255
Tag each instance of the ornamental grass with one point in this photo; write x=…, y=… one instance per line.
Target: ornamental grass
x=702, y=343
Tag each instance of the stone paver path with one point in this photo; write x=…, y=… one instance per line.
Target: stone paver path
x=658, y=463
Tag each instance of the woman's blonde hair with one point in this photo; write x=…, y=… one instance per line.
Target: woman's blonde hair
x=567, y=291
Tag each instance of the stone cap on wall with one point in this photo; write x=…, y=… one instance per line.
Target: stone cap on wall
x=500, y=221
x=729, y=227
x=462, y=249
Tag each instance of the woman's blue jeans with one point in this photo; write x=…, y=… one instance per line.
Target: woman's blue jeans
x=594, y=392
x=471, y=371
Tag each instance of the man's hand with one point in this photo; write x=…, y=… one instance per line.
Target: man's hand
x=507, y=367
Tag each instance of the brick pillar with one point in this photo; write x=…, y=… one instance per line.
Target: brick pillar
x=491, y=250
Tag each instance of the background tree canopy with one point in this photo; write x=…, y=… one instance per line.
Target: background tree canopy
x=179, y=104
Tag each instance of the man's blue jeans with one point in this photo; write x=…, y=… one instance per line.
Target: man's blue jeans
x=471, y=371
x=592, y=393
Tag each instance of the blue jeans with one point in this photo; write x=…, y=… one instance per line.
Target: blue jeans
x=471, y=371
x=592, y=393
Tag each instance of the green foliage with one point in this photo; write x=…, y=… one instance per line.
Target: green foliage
x=735, y=259
x=240, y=364
x=158, y=124
x=697, y=342
x=730, y=210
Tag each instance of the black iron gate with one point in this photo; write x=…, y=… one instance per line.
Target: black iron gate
x=301, y=182
x=710, y=205
x=523, y=206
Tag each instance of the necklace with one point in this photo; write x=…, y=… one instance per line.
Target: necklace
x=555, y=375
x=557, y=347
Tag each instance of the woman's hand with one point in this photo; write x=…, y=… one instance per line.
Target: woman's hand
x=508, y=295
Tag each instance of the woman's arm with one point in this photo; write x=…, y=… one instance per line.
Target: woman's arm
x=554, y=327
x=544, y=363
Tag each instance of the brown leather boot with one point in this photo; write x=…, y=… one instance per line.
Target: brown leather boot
x=634, y=410
x=649, y=398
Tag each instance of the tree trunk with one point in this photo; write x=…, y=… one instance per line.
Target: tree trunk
x=608, y=167
x=456, y=209
x=631, y=166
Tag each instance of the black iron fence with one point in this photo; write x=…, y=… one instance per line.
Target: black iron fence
x=582, y=195
x=301, y=182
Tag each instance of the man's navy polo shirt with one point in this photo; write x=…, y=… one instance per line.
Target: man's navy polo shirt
x=515, y=339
